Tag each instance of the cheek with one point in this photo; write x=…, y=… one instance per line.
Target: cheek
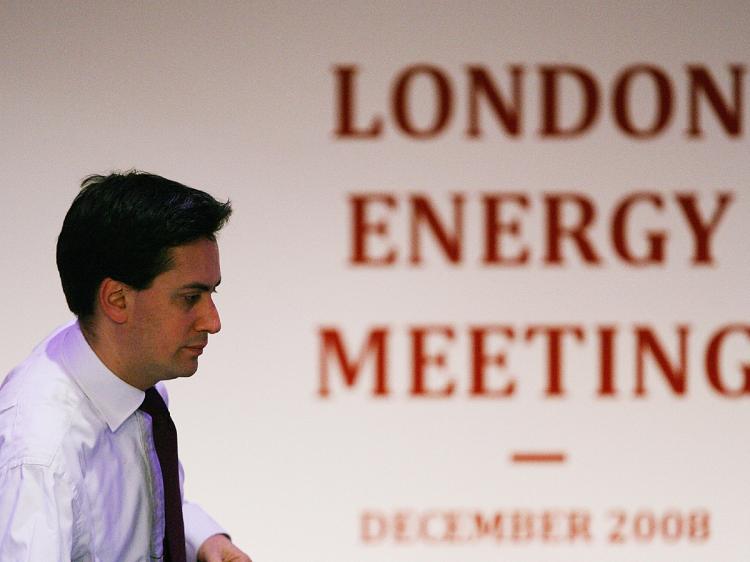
x=164, y=326
x=174, y=332
x=157, y=334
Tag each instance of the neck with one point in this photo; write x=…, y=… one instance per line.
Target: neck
x=104, y=343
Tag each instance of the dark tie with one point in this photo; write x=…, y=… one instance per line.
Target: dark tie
x=165, y=441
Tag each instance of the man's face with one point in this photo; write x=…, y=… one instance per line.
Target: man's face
x=170, y=321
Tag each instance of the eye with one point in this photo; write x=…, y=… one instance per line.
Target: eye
x=192, y=299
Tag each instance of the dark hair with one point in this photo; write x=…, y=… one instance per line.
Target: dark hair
x=123, y=226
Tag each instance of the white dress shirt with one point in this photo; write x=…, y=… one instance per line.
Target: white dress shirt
x=79, y=475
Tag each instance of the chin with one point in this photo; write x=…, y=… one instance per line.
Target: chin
x=188, y=372
x=182, y=373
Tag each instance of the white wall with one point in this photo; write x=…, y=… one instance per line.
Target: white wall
x=238, y=99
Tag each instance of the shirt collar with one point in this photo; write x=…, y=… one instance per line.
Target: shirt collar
x=115, y=399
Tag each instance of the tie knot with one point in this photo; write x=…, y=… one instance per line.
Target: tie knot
x=153, y=403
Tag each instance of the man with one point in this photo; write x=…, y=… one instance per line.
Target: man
x=88, y=452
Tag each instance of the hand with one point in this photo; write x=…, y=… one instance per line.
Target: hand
x=218, y=548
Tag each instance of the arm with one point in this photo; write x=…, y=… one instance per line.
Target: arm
x=205, y=539
x=37, y=515
x=199, y=526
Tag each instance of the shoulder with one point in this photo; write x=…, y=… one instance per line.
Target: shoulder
x=37, y=402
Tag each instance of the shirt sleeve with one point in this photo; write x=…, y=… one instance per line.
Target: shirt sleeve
x=198, y=524
x=198, y=527
x=37, y=515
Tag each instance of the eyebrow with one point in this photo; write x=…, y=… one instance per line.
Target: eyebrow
x=200, y=286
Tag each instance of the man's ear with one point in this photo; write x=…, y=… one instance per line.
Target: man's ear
x=113, y=300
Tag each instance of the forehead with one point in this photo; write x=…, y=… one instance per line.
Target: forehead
x=196, y=262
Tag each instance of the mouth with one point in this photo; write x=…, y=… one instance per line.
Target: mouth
x=197, y=349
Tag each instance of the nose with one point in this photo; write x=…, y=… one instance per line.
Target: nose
x=209, y=320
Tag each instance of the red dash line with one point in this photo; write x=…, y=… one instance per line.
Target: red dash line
x=538, y=457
